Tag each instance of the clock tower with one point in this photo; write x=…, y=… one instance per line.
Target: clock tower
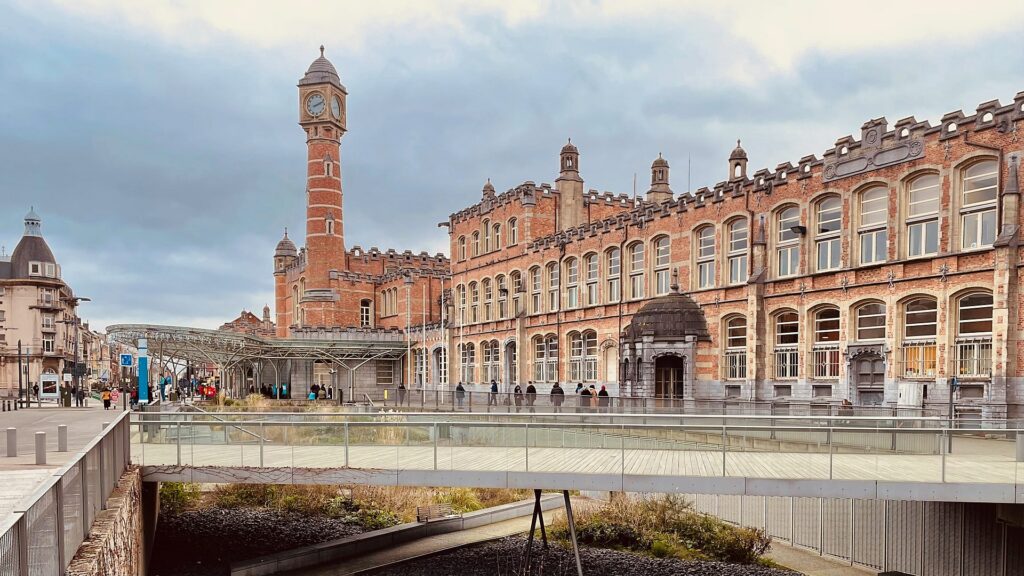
x=322, y=116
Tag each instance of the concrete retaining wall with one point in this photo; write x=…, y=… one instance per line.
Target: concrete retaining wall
x=114, y=544
x=360, y=544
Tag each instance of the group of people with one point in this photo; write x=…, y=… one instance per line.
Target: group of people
x=588, y=397
x=273, y=391
x=318, y=392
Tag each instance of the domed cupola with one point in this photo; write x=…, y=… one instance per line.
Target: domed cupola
x=738, y=163
x=32, y=254
x=321, y=71
x=285, y=247
x=660, y=190
x=672, y=317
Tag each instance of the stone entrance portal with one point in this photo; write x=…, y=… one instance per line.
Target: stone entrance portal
x=670, y=377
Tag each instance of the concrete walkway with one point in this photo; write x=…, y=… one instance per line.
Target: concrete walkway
x=19, y=475
x=811, y=564
x=424, y=547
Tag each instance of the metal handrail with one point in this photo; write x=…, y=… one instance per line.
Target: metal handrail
x=368, y=399
x=216, y=417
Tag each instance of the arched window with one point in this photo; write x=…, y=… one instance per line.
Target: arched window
x=973, y=357
x=871, y=321
x=545, y=358
x=978, y=208
x=923, y=216
x=787, y=340
x=496, y=235
x=462, y=247
x=553, y=287
x=513, y=232
x=788, y=241
x=662, y=259
x=535, y=291
x=583, y=356
x=487, y=236
x=502, y=297
x=572, y=283
x=366, y=314
x=706, y=257
x=488, y=298
x=826, y=343
x=636, y=271
x=467, y=353
x=920, y=323
x=874, y=216
x=613, y=265
x=590, y=265
x=461, y=295
x=828, y=220
x=474, y=301
x=492, y=367
x=517, y=290
x=476, y=244
x=736, y=348
x=295, y=304
x=738, y=251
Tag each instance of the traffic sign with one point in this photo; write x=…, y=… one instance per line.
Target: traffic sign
x=127, y=361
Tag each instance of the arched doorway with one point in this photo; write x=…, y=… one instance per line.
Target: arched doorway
x=669, y=376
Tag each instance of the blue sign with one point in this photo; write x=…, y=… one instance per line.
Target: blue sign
x=127, y=360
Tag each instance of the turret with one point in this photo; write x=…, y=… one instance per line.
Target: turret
x=570, y=189
x=660, y=191
x=738, y=163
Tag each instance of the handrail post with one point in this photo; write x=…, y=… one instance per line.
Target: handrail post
x=435, y=445
x=830, y=464
x=346, y=443
x=177, y=441
x=723, y=449
x=261, y=444
x=943, y=448
x=526, y=443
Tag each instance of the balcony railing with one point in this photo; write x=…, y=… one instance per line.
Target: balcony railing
x=787, y=363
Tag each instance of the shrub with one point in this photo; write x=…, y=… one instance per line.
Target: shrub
x=606, y=534
x=461, y=500
x=176, y=497
x=376, y=519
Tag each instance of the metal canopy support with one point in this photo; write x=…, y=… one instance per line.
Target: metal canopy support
x=572, y=532
x=537, y=513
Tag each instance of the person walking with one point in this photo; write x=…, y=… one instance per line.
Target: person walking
x=492, y=397
x=330, y=392
x=531, y=395
x=517, y=396
x=80, y=397
x=557, y=396
x=401, y=393
x=460, y=394
x=603, y=399
x=105, y=396
x=585, y=396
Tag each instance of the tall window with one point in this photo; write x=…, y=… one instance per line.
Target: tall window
x=920, y=320
x=468, y=357
x=871, y=321
x=488, y=298
x=826, y=343
x=787, y=339
x=736, y=348
x=462, y=247
x=826, y=235
x=545, y=358
x=874, y=217
x=513, y=232
x=442, y=365
x=487, y=236
x=49, y=343
x=491, y=365
x=517, y=290
x=978, y=209
x=614, y=265
x=788, y=241
x=974, y=335
x=738, y=251
x=636, y=271
x=535, y=288
x=923, y=216
x=496, y=235
x=502, y=297
x=553, y=287
x=591, y=266
x=476, y=244
x=662, y=258
x=474, y=302
x=572, y=283
x=583, y=356
x=706, y=257
x=365, y=314
x=461, y=295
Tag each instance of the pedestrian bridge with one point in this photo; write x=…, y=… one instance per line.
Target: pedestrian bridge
x=836, y=457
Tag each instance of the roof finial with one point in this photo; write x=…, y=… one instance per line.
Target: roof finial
x=737, y=140
x=675, y=280
x=285, y=231
x=570, y=140
x=321, y=50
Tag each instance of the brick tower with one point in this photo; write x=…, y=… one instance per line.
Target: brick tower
x=322, y=116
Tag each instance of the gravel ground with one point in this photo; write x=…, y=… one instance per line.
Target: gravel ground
x=504, y=557
x=205, y=542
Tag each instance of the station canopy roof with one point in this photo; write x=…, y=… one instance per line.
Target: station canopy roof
x=227, y=348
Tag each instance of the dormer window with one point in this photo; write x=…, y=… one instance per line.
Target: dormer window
x=35, y=268
x=51, y=270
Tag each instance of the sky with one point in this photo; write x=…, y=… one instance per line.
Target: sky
x=159, y=141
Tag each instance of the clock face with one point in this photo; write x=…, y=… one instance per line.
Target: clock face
x=336, y=108
x=315, y=104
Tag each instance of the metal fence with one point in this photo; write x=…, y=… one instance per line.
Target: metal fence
x=42, y=535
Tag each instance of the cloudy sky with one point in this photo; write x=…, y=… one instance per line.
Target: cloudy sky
x=158, y=140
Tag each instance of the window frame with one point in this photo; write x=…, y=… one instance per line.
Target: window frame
x=828, y=242
x=874, y=233
x=736, y=255
x=787, y=243
x=926, y=222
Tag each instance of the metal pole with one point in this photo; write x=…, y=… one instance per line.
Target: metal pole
x=572, y=532
x=21, y=392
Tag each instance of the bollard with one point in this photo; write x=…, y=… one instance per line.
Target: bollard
x=40, y=448
x=12, y=442
x=62, y=438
